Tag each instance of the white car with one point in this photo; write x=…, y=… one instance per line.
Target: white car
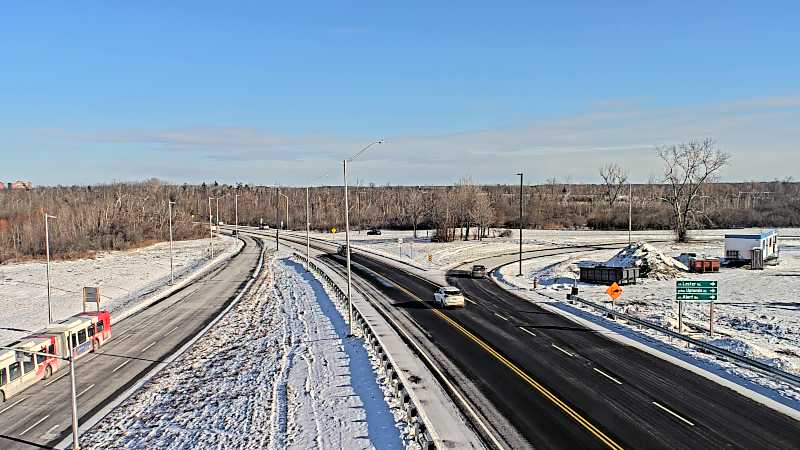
x=449, y=296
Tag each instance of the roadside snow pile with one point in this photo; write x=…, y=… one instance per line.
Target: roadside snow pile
x=652, y=263
x=276, y=372
x=752, y=351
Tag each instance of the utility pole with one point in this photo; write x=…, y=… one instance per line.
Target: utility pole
x=520, y=225
x=308, y=235
x=347, y=241
x=277, y=219
x=210, y=225
x=171, y=265
x=236, y=206
x=630, y=212
x=47, y=250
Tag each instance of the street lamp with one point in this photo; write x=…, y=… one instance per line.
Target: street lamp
x=236, y=206
x=171, y=265
x=520, y=225
x=347, y=238
x=286, y=197
x=47, y=250
x=308, y=236
x=211, y=225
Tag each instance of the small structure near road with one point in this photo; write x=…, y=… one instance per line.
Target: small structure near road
x=752, y=248
x=599, y=274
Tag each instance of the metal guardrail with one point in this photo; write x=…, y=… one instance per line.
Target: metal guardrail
x=420, y=431
x=727, y=354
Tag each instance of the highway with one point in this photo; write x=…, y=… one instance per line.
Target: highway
x=544, y=381
x=40, y=416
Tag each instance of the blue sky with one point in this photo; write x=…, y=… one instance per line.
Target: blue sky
x=266, y=92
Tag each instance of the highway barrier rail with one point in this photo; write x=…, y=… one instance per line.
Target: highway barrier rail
x=705, y=346
x=421, y=431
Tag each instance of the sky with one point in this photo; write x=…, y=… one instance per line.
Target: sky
x=281, y=92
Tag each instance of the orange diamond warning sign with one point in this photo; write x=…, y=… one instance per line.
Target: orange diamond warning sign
x=614, y=291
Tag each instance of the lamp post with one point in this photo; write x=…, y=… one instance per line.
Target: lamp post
x=347, y=239
x=236, y=207
x=286, y=197
x=47, y=250
x=308, y=235
x=171, y=265
x=520, y=225
x=211, y=225
x=630, y=212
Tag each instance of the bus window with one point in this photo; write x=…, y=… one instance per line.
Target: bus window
x=39, y=359
x=14, y=371
x=28, y=365
x=91, y=330
x=100, y=326
x=74, y=341
x=51, y=349
x=3, y=379
x=81, y=336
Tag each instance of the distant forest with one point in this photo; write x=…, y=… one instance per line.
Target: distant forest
x=126, y=215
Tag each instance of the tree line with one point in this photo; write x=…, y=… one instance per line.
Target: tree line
x=124, y=215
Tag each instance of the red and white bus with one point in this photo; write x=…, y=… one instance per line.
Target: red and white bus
x=17, y=375
x=74, y=336
x=87, y=332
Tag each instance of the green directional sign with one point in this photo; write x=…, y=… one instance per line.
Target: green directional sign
x=696, y=290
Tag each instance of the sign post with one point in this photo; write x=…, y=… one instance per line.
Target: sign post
x=91, y=294
x=697, y=291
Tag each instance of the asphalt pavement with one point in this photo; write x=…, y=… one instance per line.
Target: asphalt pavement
x=40, y=417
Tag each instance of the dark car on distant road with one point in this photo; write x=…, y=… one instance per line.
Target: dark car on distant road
x=373, y=232
x=342, y=250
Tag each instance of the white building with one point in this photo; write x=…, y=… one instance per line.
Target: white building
x=739, y=247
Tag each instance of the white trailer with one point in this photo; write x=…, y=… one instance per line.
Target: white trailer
x=739, y=247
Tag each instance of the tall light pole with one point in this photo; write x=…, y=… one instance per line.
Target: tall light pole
x=347, y=240
x=286, y=224
x=308, y=235
x=630, y=212
x=171, y=265
x=210, y=225
x=47, y=250
x=520, y=225
x=236, y=206
x=217, y=199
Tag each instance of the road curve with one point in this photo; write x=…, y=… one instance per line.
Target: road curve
x=40, y=416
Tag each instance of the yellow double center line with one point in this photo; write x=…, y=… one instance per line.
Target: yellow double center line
x=520, y=373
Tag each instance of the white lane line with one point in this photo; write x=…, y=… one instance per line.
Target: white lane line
x=528, y=331
x=92, y=357
x=84, y=391
x=147, y=348
x=607, y=375
x=674, y=414
x=12, y=405
x=120, y=339
x=498, y=315
x=171, y=331
x=470, y=301
x=37, y=423
x=562, y=350
x=53, y=381
x=120, y=366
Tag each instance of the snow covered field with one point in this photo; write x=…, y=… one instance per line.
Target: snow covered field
x=445, y=255
x=276, y=372
x=124, y=277
x=758, y=314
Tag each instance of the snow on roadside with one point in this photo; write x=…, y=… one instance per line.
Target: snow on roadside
x=124, y=277
x=276, y=372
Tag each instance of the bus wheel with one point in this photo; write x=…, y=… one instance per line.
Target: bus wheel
x=94, y=345
x=2, y=397
x=48, y=372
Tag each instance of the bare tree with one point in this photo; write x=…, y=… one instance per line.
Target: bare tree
x=687, y=167
x=482, y=213
x=614, y=178
x=416, y=207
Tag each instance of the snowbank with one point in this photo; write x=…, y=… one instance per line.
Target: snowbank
x=124, y=278
x=276, y=372
x=652, y=263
